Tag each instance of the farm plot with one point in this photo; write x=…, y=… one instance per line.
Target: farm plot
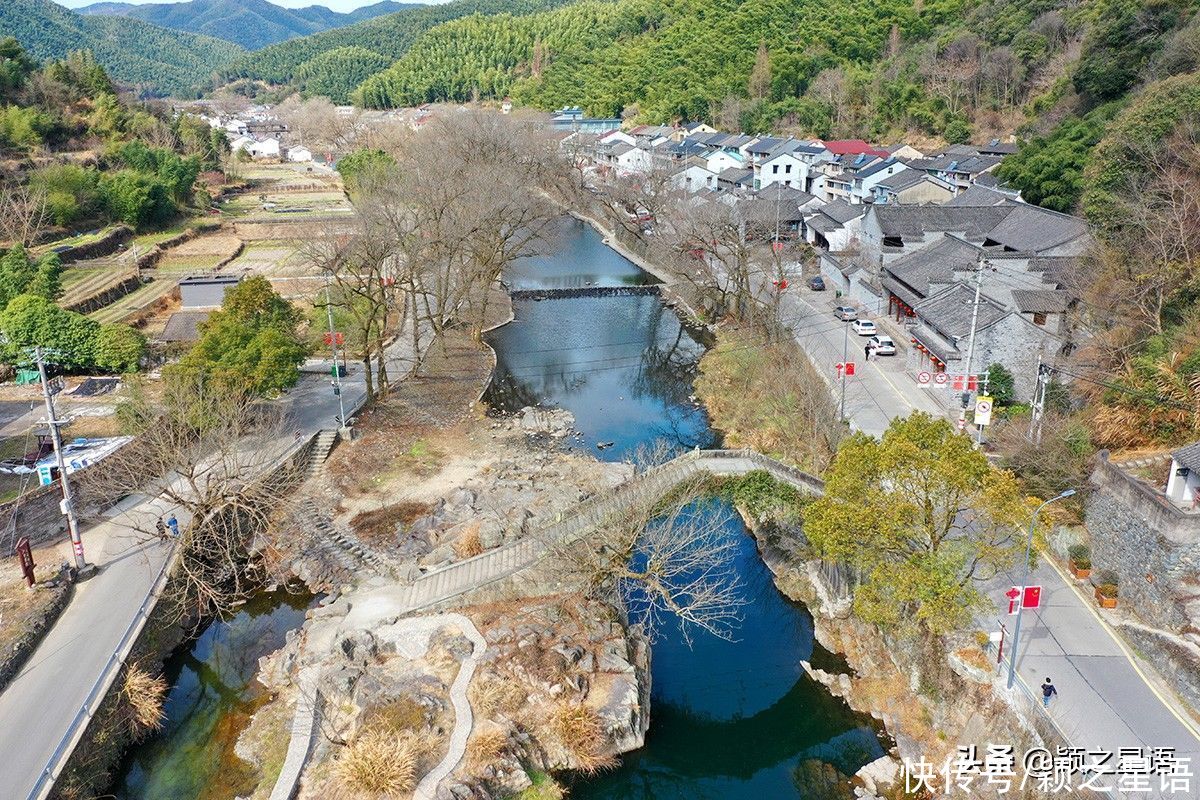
x=198, y=255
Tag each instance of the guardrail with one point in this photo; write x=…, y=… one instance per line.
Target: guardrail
x=112, y=667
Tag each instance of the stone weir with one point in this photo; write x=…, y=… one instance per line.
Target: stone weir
x=583, y=291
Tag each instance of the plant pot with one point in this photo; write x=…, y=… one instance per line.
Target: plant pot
x=1081, y=572
x=1104, y=601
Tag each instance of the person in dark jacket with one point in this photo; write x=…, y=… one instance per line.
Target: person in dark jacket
x=1048, y=691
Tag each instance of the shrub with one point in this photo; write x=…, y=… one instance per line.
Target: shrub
x=1107, y=589
x=119, y=348
x=1108, y=578
x=1080, y=555
x=378, y=763
x=578, y=728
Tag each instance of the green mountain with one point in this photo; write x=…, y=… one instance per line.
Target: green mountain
x=157, y=60
x=253, y=24
x=388, y=37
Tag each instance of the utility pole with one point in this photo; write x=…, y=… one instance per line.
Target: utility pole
x=845, y=344
x=1013, y=653
x=966, y=395
x=337, y=371
x=67, y=506
x=1034, y=410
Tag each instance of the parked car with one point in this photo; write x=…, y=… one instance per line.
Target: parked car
x=883, y=345
x=845, y=313
x=863, y=327
x=816, y=283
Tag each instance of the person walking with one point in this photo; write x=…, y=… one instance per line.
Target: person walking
x=1048, y=691
x=161, y=527
x=867, y=352
x=173, y=524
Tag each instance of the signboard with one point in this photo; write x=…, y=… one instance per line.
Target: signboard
x=25, y=556
x=1032, y=597
x=983, y=410
x=1013, y=594
x=45, y=474
x=844, y=367
x=849, y=368
x=924, y=378
x=940, y=378
x=963, y=382
x=338, y=337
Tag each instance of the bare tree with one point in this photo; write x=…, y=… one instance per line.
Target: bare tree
x=667, y=561
x=209, y=455
x=23, y=213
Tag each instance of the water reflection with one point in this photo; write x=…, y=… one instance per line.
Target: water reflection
x=573, y=256
x=623, y=366
x=213, y=694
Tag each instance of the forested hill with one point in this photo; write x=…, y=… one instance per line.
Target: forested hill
x=386, y=38
x=134, y=52
x=253, y=24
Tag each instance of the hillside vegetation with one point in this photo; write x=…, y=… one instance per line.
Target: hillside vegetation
x=152, y=59
x=250, y=23
x=389, y=36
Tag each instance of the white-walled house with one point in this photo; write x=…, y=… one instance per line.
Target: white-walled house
x=236, y=127
x=1183, y=481
x=299, y=154
x=240, y=143
x=613, y=137
x=632, y=159
x=786, y=169
x=694, y=176
x=721, y=160
x=267, y=148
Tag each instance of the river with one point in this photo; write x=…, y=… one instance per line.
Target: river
x=213, y=694
x=730, y=719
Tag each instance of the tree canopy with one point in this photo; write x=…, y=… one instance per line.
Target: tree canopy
x=251, y=345
x=921, y=516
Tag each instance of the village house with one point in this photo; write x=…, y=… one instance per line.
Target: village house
x=299, y=154
x=694, y=176
x=911, y=187
x=834, y=225
x=267, y=148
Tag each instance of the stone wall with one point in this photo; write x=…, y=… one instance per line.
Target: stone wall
x=1152, y=546
x=105, y=245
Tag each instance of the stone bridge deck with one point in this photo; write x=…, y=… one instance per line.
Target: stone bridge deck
x=494, y=565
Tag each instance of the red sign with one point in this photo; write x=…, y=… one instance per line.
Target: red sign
x=777, y=247
x=849, y=368
x=966, y=382
x=338, y=337
x=923, y=378
x=1012, y=595
x=1032, y=597
x=844, y=366
x=940, y=378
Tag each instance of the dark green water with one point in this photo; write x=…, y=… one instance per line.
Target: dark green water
x=213, y=695
x=730, y=720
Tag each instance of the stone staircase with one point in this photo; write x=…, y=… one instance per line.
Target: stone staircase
x=345, y=555
x=322, y=446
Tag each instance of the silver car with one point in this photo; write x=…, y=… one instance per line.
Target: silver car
x=845, y=313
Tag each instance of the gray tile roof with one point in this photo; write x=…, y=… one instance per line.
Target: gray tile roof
x=1188, y=456
x=765, y=145
x=1044, y=301
x=788, y=195
x=949, y=312
x=1028, y=228
x=972, y=222
x=736, y=177
x=183, y=326
x=841, y=211
x=879, y=166
x=907, y=178
x=934, y=264
x=979, y=196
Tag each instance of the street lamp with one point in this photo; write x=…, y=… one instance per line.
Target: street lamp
x=1012, y=656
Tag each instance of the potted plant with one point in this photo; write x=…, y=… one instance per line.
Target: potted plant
x=1081, y=561
x=1106, y=589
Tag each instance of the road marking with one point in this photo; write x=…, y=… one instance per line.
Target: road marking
x=1170, y=706
x=895, y=388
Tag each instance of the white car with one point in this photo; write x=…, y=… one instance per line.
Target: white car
x=882, y=346
x=863, y=327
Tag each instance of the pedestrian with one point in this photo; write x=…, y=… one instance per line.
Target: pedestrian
x=867, y=352
x=173, y=524
x=1048, y=691
x=161, y=527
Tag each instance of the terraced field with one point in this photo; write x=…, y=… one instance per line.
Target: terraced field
x=85, y=279
x=136, y=301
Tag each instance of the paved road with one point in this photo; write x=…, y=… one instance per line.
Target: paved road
x=1104, y=700
x=880, y=390
x=39, y=707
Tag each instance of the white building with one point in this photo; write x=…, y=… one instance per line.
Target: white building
x=721, y=160
x=694, y=176
x=1183, y=482
x=785, y=168
x=299, y=154
x=267, y=148
x=241, y=143
x=236, y=127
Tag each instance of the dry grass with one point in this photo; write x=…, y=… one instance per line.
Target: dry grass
x=579, y=729
x=145, y=694
x=401, y=715
x=492, y=695
x=485, y=747
x=378, y=764
x=975, y=657
x=468, y=543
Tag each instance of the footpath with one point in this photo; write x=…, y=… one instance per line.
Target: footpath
x=1108, y=698
x=45, y=709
